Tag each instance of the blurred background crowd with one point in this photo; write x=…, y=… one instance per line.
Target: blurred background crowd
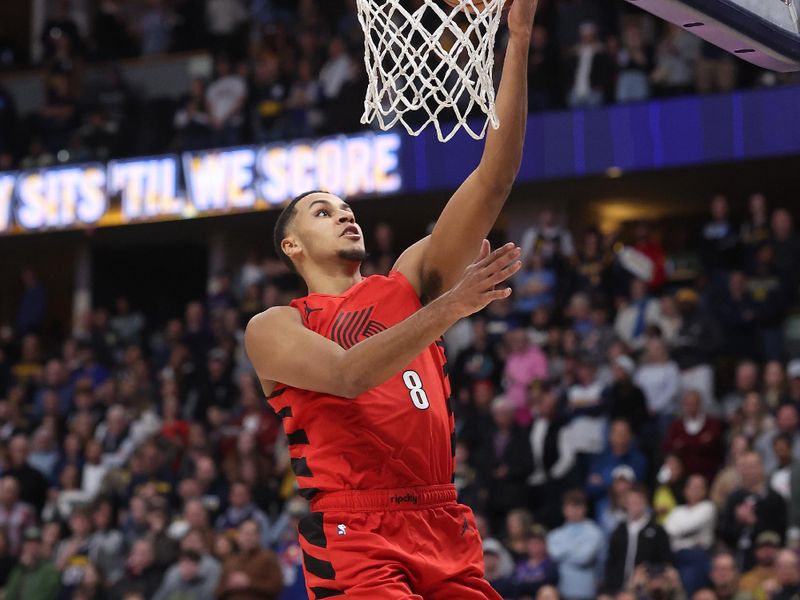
x=279, y=69
x=627, y=427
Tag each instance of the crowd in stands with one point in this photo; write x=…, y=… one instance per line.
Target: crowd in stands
x=286, y=68
x=627, y=427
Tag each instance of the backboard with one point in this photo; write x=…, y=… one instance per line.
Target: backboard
x=763, y=32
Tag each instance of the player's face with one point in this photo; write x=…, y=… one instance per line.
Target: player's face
x=324, y=227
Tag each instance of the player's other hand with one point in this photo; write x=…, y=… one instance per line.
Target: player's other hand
x=476, y=288
x=520, y=16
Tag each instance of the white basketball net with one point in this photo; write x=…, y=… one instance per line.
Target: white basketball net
x=430, y=62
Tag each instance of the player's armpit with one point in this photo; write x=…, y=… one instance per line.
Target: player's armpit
x=281, y=349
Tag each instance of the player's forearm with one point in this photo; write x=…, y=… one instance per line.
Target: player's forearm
x=371, y=362
x=502, y=154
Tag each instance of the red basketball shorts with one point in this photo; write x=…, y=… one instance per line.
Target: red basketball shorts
x=404, y=544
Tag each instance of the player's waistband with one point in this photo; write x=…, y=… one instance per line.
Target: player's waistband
x=409, y=498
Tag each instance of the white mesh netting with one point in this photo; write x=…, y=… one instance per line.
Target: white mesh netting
x=429, y=63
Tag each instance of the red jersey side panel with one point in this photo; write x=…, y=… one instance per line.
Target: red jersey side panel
x=398, y=434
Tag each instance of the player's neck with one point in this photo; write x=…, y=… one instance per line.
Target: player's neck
x=332, y=281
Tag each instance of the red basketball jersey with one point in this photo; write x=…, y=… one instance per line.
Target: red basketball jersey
x=398, y=434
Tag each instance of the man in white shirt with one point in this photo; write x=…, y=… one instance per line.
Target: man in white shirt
x=226, y=97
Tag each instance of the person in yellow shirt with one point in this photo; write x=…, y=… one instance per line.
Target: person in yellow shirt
x=768, y=544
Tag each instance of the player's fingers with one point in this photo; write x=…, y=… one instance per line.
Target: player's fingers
x=493, y=295
x=504, y=273
x=486, y=249
x=501, y=251
x=501, y=260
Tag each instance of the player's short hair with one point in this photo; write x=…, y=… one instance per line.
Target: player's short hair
x=282, y=225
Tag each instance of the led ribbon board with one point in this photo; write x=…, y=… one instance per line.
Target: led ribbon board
x=214, y=182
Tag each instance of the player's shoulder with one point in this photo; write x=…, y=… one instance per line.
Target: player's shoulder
x=266, y=321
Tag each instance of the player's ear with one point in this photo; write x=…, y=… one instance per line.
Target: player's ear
x=291, y=247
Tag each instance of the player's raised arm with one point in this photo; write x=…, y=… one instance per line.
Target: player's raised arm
x=283, y=350
x=434, y=264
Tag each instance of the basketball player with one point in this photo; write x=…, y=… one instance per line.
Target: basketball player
x=357, y=373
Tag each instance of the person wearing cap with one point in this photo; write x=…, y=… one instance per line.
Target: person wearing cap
x=610, y=510
x=498, y=566
x=621, y=450
x=624, y=398
x=768, y=544
x=34, y=576
x=577, y=547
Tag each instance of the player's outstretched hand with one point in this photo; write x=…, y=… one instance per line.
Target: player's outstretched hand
x=476, y=288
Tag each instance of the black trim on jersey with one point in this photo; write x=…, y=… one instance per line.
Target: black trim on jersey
x=323, y=592
x=453, y=444
x=450, y=405
x=311, y=528
x=286, y=411
x=319, y=568
x=297, y=437
x=276, y=393
x=300, y=467
x=308, y=493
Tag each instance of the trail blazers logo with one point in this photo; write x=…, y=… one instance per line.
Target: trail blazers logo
x=349, y=328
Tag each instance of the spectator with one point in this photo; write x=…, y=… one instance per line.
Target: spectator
x=192, y=121
x=72, y=555
x=535, y=286
x=786, y=584
x=691, y=531
x=106, y=544
x=624, y=398
x=498, y=565
x=241, y=509
x=225, y=99
x=198, y=579
x=549, y=238
x=34, y=576
x=637, y=541
x=634, y=317
x=620, y=451
x=587, y=70
x=336, y=70
x=33, y=304
x=719, y=240
x=253, y=572
x=225, y=20
x=787, y=424
x=505, y=462
x=676, y=57
x=669, y=494
x=755, y=231
x=750, y=510
x=141, y=574
x=553, y=455
x=737, y=314
x=32, y=484
x=538, y=569
x=786, y=245
x=585, y=406
x=655, y=580
x=635, y=62
x=576, y=547
x=15, y=515
x=542, y=71
x=725, y=578
x=659, y=379
x=767, y=546
x=716, y=70
x=525, y=363
x=695, y=438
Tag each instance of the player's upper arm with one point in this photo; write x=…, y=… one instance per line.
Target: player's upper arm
x=283, y=350
x=411, y=263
